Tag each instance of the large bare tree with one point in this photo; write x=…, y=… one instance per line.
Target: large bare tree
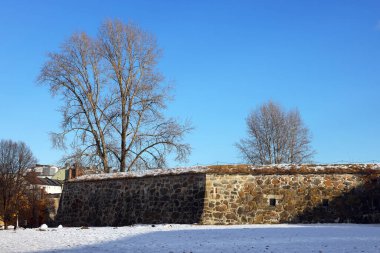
x=114, y=99
x=275, y=136
x=15, y=159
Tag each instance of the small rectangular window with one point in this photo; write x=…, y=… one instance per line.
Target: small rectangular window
x=272, y=202
x=325, y=202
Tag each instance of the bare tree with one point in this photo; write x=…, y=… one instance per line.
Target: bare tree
x=15, y=159
x=114, y=99
x=275, y=136
x=76, y=73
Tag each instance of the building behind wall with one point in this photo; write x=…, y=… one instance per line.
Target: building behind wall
x=44, y=171
x=72, y=171
x=42, y=197
x=225, y=195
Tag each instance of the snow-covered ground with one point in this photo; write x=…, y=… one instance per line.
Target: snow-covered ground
x=193, y=238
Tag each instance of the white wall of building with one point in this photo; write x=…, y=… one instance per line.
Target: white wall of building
x=50, y=189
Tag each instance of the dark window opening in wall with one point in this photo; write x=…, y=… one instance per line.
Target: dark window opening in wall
x=325, y=202
x=272, y=202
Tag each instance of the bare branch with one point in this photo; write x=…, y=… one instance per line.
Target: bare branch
x=113, y=98
x=275, y=136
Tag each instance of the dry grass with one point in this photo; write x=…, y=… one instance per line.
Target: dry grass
x=364, y=169
x=372, y=170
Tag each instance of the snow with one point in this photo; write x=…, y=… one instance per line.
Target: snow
x=196, y=238
x=229, y=168
x=43, y=227
x=144, y=173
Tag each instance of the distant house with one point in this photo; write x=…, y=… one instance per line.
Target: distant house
x=74, y=171
x=48, y=189
x=50, y=186
x=43, y=171
x=65, y=174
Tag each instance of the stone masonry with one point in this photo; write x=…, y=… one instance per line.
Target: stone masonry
x=226, y=195
x=116, y=202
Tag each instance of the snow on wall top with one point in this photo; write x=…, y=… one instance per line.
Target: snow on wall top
x=281, y=169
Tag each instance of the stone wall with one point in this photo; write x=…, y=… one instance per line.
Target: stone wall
x=240, y=199
x=116, y=202
x=218, y=196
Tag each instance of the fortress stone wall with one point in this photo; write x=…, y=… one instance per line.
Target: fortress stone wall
x=225, y=195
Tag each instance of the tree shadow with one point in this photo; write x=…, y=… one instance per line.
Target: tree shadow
x=299, y=238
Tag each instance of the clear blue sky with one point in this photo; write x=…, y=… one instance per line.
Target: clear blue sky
x=226, y=58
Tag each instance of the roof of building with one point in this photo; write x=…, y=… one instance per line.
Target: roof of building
x=44, y=181
x=281, y=169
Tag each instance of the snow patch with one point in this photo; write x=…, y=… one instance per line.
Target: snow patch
x=43, y=227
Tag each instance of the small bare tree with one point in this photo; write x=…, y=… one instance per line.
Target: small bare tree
x=15, y=159
x=275, y=136
x=113, y=99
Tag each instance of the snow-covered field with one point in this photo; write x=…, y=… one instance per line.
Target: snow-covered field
x=193, y=238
